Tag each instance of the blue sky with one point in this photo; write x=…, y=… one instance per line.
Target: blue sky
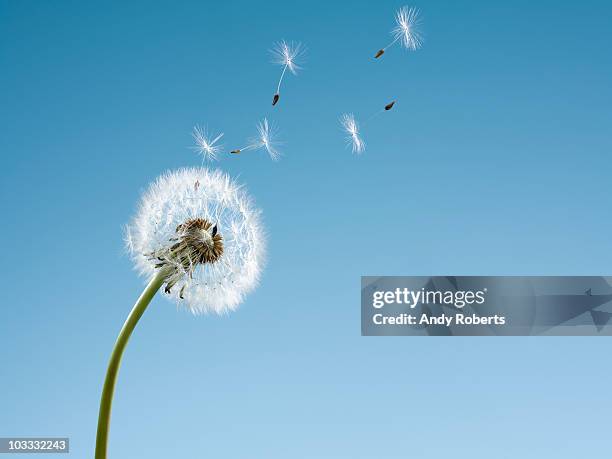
x=495, y=160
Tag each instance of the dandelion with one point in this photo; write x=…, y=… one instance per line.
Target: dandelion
x=204, y=145
x=352, y=129
x=266, y=139
x=406, y=31
x=201, y=228
x=287, y=55
x=198, y=234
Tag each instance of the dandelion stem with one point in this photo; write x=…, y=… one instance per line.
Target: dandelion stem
x=373, y=116
x=281, y=79
x=392, y=43
x=115, y=360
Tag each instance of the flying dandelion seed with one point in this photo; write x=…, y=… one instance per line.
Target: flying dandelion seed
x=406, y=31
x=266, y=139
x=386, y=108
x=198, y=231
x=351, y=127
x=204, y=146
x=288, y=55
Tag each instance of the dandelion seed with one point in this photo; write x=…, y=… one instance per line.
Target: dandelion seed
x=351, y=127
x=390, y=105
x=406, y=31
x=288, y=55
x=204, y=145
x=265, y=139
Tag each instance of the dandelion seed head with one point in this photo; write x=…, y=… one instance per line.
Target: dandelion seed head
x=204, y=145
x=351, y=127
x=208, y=237
x=288, y=54
x=407, y=29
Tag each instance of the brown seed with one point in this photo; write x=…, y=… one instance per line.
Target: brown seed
x=390, y=105
x=235, y=152
x=199, y=243
x=379, y=53
x=192, y=247
x=275, y=99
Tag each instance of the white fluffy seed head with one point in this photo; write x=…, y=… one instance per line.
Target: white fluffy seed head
x=204, y=145
x=181, y=196
x=407, y=28
x=351, y=127
x=287, y=54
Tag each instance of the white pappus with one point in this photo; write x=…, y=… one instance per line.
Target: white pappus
x=204, y=229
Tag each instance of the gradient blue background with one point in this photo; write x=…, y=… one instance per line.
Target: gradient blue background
x=495, y=160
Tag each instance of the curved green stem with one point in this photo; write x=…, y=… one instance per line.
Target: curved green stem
x=115, y=360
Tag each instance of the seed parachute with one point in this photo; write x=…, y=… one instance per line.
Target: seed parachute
x=288, y=56
x=406, y=30
x=266, y=139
